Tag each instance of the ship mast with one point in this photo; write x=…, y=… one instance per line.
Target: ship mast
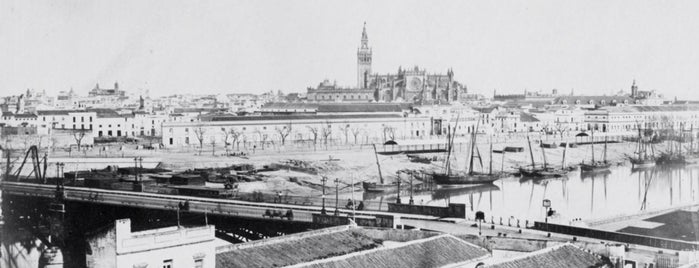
x=377, y=163
x=531, y=153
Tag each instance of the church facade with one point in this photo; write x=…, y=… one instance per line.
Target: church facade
x=414, y=85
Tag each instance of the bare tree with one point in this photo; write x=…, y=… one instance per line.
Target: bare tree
x=389, y=133
x=262, y=138
x=562, y=128
x=199, y=134
x=226, y=136
x=355, y=132
x=314, y=133
x=325, y=132
x=283, y=132
x=236, y=135
x=345, y=129
x=78, y=136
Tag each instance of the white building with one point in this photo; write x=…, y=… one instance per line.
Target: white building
x=169, y=247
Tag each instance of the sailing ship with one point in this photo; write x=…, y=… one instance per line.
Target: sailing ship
x=545, y=171
x=596, y=166
x=645, y=157
x=470, y=177
x=675, y=155
x=381, y=186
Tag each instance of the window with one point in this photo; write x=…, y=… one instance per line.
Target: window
x=167, y=264
x=90, y=118
x=73, y=119
x=82, y=119
x=199, y=263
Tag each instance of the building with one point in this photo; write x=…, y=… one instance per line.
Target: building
x=117, y=246
x=406, y=85
x=352, y=246
x=564, y=255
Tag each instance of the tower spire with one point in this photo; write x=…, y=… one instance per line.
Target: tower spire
x=365, y=38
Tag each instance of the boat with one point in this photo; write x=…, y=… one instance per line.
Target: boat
x=544, y=171
x=675, y=156
x=379, y=187
x=643, y=158
x=470, y=177
x=419, y=159
x=596, y=166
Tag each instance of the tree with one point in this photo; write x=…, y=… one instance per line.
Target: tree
x=199, y=134
x=389, y=133
x=263, y=138
x=355, y=132
x=236, y=135
x=78, y=136
x=562, y=128
x=314, y=133
x=226, y=136
x=283, y=132
x=325, y=132
x=345, y=129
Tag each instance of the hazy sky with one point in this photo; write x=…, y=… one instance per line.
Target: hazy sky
x=593, y=47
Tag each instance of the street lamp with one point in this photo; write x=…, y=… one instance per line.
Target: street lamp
x=323, y=180
x=337, y=196
x=398, y=199
x=480, y=217
x=548, y=212
x=411, y=188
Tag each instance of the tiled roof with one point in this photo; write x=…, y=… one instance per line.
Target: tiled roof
x=525, y=117
x=561, y=256
x=435, y=251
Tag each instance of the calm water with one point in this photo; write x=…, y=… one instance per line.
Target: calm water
x=621, y=191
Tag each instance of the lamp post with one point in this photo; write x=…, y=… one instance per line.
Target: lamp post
x=323, y=180
x=411, y=188
x=547, y=209
x=337, y=196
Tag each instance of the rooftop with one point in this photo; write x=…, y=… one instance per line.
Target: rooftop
x=564, y=255
x=351, y=246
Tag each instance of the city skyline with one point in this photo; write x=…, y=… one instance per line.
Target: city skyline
x=251, y=47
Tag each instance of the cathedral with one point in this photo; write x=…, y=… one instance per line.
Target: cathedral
x=406, y=85
x=413, y=85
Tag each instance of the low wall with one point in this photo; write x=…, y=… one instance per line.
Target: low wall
x=452, y=211
x=618, y=237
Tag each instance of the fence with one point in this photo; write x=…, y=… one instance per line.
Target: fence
x=618, y=237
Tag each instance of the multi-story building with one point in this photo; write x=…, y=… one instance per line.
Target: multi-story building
x=119, y=246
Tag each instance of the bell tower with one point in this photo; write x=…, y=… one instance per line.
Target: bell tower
x=363, y=61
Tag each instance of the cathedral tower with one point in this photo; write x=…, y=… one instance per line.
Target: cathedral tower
x=634, y=89
x=363, y=61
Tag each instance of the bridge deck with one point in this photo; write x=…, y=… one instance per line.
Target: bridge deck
x=235, y=208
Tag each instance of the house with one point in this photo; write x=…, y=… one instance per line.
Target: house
x=118, y=246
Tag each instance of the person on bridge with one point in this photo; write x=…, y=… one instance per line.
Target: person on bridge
x=350, y=204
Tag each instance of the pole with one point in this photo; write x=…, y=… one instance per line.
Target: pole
x=378, y=165
x=354, y=211
x=411, y=188
x=398, y=199
x=531, y=152
x=543, y=152
x=337, y=196
x=323, y=180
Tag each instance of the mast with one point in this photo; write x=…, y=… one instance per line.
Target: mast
x=377, y=163
x=490, y=167
x=531, y=153
x=563, y=162
x=605, y=149
x=446, y=162
x=473, y=145
x=543, y=152
x=593, y=146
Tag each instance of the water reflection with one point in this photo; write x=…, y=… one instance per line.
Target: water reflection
x=619, y=191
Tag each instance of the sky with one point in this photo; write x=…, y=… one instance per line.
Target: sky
x=179, y=47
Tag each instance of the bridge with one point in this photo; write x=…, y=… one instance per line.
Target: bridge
x=213, y=206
